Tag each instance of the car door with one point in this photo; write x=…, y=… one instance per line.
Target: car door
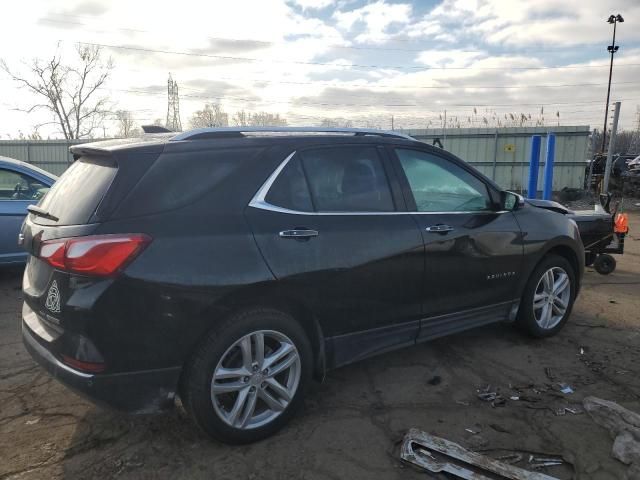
x=328, y=224
x=473, y=249
x=16, y=194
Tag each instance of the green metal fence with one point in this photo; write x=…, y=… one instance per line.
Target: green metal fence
x=501, y=154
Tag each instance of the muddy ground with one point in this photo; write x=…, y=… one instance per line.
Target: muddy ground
x=352, y=423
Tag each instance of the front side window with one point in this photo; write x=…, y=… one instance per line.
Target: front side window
x=439, y=185
x=16, y=186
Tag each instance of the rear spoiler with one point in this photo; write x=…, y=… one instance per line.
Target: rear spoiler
x=86, y=149
x=155, y=129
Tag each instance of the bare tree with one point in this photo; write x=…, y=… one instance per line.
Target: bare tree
x=126, y=124
x=336, y=123
x=266, y=119
x=69, y=92
x=211, y=116
x=241, y=118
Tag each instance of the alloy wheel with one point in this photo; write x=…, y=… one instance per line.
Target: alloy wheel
x=256, y=379
x=551, y=298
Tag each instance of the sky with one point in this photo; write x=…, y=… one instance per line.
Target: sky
x=369, y=62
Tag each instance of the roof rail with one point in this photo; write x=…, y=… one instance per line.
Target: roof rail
x=233, y=131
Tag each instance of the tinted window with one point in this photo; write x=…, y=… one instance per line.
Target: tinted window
x=290, y=189
x=179, y=179
x=347, y=179
x=439, y=185
x=16, y=186
x=76, y=195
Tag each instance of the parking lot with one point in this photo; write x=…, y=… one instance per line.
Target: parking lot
x=352, y=423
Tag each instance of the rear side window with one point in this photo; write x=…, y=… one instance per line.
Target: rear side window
x=78, y=192
x=347, y=179
x=177, y=179
x=290, y=189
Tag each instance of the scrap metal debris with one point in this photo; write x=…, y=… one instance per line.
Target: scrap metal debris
x=487, y=394
x=623, y=426
x=549, y=373
x=544, y=462
x=510, y=458
x=436, y=455
x=564, y=388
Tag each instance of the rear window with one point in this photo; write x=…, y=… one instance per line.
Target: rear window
x=76, y=195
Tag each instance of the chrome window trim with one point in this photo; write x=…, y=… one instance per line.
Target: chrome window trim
x=258, y=201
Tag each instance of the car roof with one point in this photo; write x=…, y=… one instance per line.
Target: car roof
x=24, y=166
x=270, y=135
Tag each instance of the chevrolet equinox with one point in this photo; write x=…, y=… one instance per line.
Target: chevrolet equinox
x=228, y=267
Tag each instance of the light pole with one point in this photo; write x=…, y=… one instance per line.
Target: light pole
x=613, y=48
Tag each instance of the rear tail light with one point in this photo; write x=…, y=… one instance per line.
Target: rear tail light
x=100, y=255
x=90, y=367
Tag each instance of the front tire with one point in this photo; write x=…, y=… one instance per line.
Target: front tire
x=548, y=297
x=248, y=376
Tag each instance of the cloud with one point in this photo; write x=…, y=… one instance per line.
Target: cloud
x=87, y=8
x=449, y=58
x=375, y=19
x=231, y=46
x=521, y=22
x=312, y=4
x=450, y=53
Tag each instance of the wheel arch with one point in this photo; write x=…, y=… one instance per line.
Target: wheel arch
x=252, y=299
x=568, y=253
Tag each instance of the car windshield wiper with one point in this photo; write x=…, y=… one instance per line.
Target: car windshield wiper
x=36, y=210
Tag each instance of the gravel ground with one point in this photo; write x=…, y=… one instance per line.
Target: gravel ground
x=352, y=423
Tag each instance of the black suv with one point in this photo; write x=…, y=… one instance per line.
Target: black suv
x=230, y=266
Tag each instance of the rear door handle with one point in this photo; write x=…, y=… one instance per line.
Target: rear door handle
x=440, y=228
x=298, y=233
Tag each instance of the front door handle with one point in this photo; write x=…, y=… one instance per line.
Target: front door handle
x=439, y=228
x=301, y=233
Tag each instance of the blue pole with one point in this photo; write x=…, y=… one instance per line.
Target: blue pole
x=534, y=164
x=548, y=167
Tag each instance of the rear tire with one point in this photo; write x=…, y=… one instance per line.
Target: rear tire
x=604, y=264
x=547, y=299
x=238, y=395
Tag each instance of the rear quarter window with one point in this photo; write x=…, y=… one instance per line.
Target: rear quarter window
x=76, y=195
x=179, y=179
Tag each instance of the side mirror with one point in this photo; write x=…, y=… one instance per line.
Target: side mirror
x=511, y=201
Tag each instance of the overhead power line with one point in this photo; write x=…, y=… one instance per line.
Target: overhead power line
x=268, y=43
x=340, y=65
x=205, y=96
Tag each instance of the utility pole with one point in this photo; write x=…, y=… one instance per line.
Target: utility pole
x=634, y=146
x=391, y=122
x=444, y=130
x=593, y=158
x=613, y=48
x=612, y=146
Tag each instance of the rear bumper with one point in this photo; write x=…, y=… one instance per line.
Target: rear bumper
x=147, y=391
